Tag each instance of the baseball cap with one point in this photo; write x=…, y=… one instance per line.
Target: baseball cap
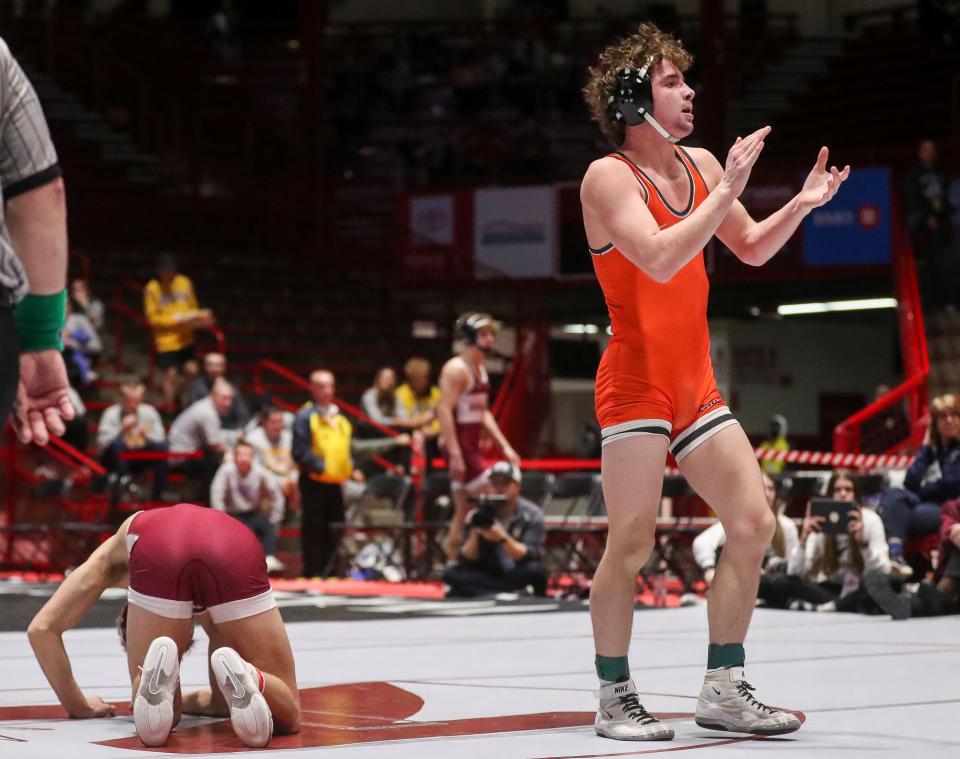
x=505, y=469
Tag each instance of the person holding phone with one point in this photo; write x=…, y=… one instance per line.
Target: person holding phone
x=842, y=571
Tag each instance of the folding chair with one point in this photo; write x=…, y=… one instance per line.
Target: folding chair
x=572, y=496
x=381, y=489
x=576, y=489
x=870, y=484
x=378, y=519
x=535, y=485
x=796, y=490
x=435, y=491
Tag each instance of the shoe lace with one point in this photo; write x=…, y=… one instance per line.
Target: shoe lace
x=634, y=709
x=744, y=689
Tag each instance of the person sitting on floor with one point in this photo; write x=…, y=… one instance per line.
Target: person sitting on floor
x=847, y=572
x=503, y=541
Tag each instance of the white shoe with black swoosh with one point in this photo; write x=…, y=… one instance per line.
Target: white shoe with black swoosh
x=249, y=713
x=726, y=703
x=622, y=717
x=153, y=704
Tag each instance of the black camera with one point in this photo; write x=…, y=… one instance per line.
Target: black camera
x=486, y=511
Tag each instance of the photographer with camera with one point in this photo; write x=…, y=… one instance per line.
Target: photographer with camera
x=503, y=544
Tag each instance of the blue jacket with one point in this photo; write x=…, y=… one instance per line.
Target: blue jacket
x=936, y=490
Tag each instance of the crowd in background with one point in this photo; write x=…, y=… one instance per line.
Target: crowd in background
x=264, y=464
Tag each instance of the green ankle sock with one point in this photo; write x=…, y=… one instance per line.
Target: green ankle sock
x=725, y=655
x=613, y=669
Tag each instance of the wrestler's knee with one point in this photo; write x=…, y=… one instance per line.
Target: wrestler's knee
x=631, y=546
x=752, y=527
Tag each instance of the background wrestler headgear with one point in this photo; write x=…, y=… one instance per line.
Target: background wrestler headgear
x=469, y=324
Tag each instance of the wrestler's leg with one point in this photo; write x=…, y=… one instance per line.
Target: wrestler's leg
x=143, y=628
x=262, y=641
x=632, y=477
x=723, y=470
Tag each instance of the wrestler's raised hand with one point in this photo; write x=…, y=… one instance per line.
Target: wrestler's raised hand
x=740, y=160
x=821, y=185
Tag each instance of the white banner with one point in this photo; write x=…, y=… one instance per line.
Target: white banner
x=431, y=220
x=515, y=232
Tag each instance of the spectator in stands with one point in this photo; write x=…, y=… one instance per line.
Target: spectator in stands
x=215, y=366
x=198, y=428
x=708, y=544
x=840, y=572
x=273, y=443
x=503, y=541
x=883, y=431
x=81, y=333
x=931, y=229
x=380, y=402
x=173, y=313
x=418, y=398
x=948, y=571
x=248, y=492
x=132, y=425
x=82, y=302
x=776, y=442
x=418, y=402
x=263, y=405
x=933, y=478
x=324, y=447
x=81, y=344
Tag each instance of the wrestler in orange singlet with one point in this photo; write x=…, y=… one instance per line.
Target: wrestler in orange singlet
x=648, y=210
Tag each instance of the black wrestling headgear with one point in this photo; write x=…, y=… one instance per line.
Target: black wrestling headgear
x=632, y=99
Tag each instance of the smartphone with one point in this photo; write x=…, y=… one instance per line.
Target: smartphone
x=836, y=514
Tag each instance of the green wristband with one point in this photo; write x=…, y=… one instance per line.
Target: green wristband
x=40, y=320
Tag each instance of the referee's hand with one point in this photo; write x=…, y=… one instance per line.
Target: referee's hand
x=43, y=406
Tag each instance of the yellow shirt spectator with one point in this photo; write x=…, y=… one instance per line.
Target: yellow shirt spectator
x=414, y=405
x=777, y=441
x=163, y=307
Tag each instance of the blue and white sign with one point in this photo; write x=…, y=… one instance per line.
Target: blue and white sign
x=515, y=232
x=854, y=227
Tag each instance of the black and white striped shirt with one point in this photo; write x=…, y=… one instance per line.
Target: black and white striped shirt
x=27, y=159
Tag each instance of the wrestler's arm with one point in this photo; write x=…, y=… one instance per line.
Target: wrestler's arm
x=207, y=702
x=453, y=381
x=754, y=242
x=78, y=592
x=614, y=211
x=491, y=426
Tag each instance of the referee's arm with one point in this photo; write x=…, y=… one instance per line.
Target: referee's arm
x=35, y=203
x=37, y=223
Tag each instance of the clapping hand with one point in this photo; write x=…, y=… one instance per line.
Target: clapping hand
x=821, y=185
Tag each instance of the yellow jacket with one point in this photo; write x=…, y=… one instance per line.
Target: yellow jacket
x=162, y=307
x=322, y=441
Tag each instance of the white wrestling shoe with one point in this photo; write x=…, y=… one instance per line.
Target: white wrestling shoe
x=153, y=704
x=622, y=717
x=249, y=713
x=726, y=703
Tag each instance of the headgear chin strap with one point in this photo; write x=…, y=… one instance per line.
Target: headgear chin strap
x=632, y=99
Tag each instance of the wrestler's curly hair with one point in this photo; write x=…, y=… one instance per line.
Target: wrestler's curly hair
x=632, y=51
